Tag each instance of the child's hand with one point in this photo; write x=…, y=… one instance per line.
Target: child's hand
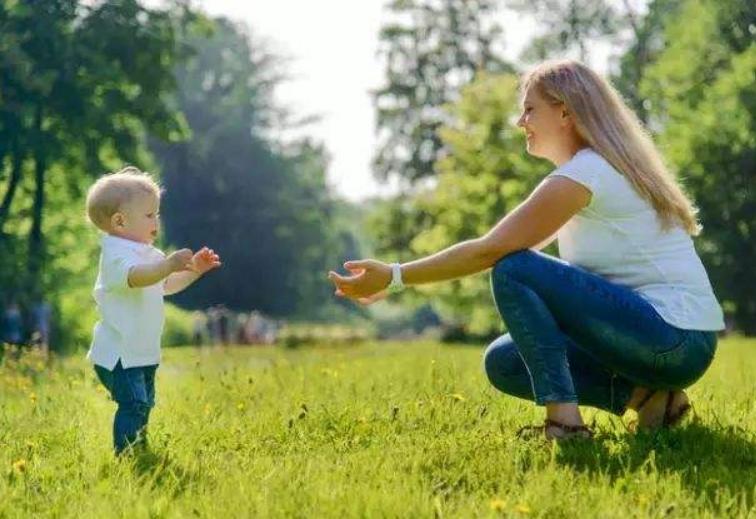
x=180, y=260
x=205, y=259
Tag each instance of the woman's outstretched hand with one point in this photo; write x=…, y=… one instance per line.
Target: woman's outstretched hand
x=366, y=282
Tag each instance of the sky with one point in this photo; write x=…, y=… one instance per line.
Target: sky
x=333, y=63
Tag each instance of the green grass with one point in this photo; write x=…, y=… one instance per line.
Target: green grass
x=378, y=430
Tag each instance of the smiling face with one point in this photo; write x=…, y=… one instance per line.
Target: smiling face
x=548, y=128
x=139, y=219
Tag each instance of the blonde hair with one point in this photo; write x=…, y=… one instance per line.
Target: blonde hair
x=109, y=194
x=609, y=126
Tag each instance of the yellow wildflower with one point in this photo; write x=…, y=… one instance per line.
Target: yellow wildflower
x=497, y=504
x=523, y=508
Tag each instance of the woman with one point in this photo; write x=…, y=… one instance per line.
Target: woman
x=627, y=317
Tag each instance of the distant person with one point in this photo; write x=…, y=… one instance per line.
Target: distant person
x=41, y=314
x=213, y=326
x=627, y=317
x=13, y=324
x=134, y=277
x=253, y=328
x=199, y=325
x=241, y=328
x=223, y=324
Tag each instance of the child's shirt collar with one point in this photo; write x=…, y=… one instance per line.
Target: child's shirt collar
x=109, y=240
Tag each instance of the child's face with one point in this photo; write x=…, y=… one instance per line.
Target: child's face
x=139, y=219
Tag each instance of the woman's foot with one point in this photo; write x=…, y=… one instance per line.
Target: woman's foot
x=560, y=432
x=662, y=409
x=563, y=422
x=555, y=431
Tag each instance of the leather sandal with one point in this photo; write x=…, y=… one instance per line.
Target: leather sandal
x=567, y=432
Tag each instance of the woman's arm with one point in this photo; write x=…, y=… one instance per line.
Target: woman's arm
x=547, y=209
x=534, y=221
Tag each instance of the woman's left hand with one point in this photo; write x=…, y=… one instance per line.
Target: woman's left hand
x=367, y=282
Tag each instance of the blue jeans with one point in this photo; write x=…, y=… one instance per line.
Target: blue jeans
x=576, y=337
x=133, y=389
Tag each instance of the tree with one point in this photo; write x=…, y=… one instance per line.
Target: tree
x=569, y=24
x=264, y=206
x=432, y=48
x=79, y=84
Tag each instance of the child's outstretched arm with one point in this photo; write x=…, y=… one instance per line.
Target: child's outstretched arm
x=150, y=273
x=204, y=260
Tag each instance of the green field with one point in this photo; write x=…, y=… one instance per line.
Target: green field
x=377, y=430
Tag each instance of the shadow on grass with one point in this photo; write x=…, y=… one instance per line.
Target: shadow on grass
x=706, y=458
x=157, y=468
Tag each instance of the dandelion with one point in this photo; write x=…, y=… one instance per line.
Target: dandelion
x=523, y=508
x=497, y=504
x=240, y=406
x=19, y=465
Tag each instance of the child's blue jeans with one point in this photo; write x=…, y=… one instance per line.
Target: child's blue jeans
x=133, y=389
x=576, y=337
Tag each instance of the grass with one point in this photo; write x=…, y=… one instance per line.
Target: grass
x=377, y=430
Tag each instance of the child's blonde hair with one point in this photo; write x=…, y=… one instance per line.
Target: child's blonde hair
x=607, y=125
x=109, y=194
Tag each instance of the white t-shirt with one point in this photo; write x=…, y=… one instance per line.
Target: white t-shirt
x=619, y=237
x=131, y=319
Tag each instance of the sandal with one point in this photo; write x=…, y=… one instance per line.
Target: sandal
x=568, y=432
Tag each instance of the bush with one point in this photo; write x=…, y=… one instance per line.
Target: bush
x=293, y=335
x=178, y=327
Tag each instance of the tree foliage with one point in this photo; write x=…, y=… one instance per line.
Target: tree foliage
x=432, y=48
x=79, y=87
x=264, y=206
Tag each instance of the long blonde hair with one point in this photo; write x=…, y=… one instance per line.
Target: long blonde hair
x=606, y=124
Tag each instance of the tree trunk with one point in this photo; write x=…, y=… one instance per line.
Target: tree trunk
x=17, y=159
x=36, y=238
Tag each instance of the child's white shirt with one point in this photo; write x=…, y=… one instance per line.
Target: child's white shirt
x=131, y=319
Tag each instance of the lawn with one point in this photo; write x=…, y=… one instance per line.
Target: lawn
x=375, y=430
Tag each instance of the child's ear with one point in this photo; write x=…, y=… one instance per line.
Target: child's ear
x=117, y=220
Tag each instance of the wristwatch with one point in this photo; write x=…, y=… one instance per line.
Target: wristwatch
x=396, y=284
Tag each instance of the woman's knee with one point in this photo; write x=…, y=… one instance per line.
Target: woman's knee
x=503, y=365
x=510, y=265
